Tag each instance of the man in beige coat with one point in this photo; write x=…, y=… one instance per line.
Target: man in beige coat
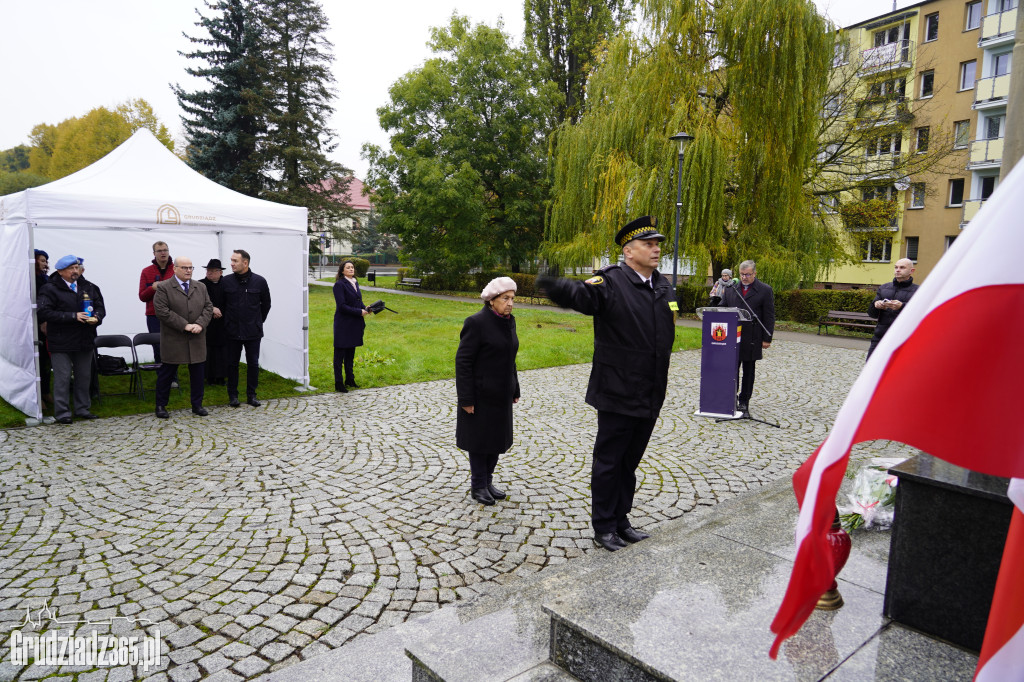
x=184, y=309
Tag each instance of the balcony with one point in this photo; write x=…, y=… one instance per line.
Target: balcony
x=991, y=92
x=985, y=153
x=887, y=58
x=880, y=166
x=885, y=110
x=998, y=28
x=971, y=208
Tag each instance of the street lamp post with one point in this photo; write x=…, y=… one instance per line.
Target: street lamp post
x=684, y=139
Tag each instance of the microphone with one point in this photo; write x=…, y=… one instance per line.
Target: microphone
x=734, y=283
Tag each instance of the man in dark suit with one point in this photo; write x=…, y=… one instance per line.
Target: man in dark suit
x=246, y=306
x=890, y=299
x=632, y=305
x=756, y=335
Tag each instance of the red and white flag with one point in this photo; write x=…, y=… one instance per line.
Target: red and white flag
x=947, y=379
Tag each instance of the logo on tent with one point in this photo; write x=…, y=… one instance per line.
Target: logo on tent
x=168, y=215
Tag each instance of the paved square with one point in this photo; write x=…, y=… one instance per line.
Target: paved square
x=254, y=538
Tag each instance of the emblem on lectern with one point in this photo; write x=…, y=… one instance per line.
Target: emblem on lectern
x=719, y=331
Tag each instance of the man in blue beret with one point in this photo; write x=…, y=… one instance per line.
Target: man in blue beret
x=70, y=329
x=634, y=328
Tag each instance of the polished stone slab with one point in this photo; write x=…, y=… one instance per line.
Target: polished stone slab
x=704, y=608
x=898, y=653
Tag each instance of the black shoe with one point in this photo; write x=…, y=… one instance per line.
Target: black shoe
x=162, y=412
x=633, y=535
x=609, y=541
x=495, y=493
x=234, y=402
x=482, y=495
x=742, y=406
x=86, y=415
x=252, y=401
x=352, y=384
x=340, y=389
x=63, y=420
x=201, y=411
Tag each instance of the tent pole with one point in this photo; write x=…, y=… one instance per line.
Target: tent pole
x=304, y=265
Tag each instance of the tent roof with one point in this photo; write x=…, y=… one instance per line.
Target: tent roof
x=142, y=184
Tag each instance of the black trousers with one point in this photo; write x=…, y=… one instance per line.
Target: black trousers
x=620, y=445
x=233, y=349
x=165, y=375
x=153, y=325
x=747, y=386
x=344, y=358
x=481, y=469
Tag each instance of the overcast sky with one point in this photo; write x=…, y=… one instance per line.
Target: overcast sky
x=61, y=58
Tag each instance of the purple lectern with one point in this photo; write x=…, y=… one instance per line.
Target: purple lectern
x=719, y=356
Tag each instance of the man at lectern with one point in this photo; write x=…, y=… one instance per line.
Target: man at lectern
x=757, y=334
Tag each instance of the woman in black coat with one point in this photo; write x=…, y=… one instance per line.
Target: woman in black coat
x=487, y=386
x=349, y=323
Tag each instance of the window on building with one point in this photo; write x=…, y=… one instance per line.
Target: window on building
x=961, y=134
x=927, y=83
x=876, y=250
x=994, y=126
x=922, y=139
x=949, y=241
x=988, y=185
x=1001, y=64
x=885, y=144
x=829, y=203
x=917, y=195
x=956, y=192
x=931, y=27
x=973, y=15
x=967, y=71
x=885, y=192
x=1005, y=5
x=911, y=243
x=841, y=50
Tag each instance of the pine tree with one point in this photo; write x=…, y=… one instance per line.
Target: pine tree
x=298, y=137
x=225, y=125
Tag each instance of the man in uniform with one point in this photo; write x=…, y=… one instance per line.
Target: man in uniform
x=890, y=299
x=632, y=305
x=757, y=334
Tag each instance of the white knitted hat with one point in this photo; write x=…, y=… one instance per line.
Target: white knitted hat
x=497, y=286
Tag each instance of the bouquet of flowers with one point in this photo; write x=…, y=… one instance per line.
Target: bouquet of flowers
x=873, y=499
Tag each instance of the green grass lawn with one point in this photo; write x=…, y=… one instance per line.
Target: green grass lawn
x=417, y=344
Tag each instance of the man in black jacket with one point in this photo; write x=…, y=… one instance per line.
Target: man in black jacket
x=756, y=335
x=890, y=299
x=70, y=330
x=246, y=306
x=634, y=329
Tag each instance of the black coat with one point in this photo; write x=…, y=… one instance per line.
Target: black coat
x=59, y=307
x=485, y=377
x=761, y=300
x=246, y=305
x=348, y=315
x=633, y=334
x=894, y=291
x=215, y=330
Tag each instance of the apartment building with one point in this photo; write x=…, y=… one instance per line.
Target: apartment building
x=930, y=84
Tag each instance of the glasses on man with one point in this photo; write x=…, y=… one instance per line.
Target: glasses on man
x=190, y=268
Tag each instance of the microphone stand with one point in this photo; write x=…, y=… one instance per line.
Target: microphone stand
x=746, y=414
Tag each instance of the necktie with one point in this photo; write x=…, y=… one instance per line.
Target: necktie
x=745, y=290
x=74, y=287
x=185, y=285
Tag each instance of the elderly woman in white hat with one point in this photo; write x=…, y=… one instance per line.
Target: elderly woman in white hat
x=487, y=386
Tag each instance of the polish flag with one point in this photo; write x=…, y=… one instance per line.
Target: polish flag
x=947, y=379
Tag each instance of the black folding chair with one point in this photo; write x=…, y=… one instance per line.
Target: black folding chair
x=146, y=339
x=117, y=366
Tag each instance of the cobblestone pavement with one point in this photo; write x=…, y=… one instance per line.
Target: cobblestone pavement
x=255, y=538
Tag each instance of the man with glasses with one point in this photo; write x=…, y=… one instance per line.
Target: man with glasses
x=184, y=310
x=756, y=335
x=160, y=269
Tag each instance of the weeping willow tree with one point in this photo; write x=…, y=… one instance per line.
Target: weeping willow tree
x=747, y=79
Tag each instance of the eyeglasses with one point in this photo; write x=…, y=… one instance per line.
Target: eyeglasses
x=747, y=274
x=190, y=268
x=162, y=251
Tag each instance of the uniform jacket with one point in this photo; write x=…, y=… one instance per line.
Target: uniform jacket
x=761, y=300
x=215, y=332
x=175, y=309
x=150, y=274
x=59, y=307
x=348, y=315
x=894, y=291
x=246, y=305
x=633, y=334
x=486, y=378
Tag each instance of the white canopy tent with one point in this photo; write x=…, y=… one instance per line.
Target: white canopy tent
x=109, y=214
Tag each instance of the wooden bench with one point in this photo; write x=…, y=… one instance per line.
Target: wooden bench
x=409, y=282
x=846, y=318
